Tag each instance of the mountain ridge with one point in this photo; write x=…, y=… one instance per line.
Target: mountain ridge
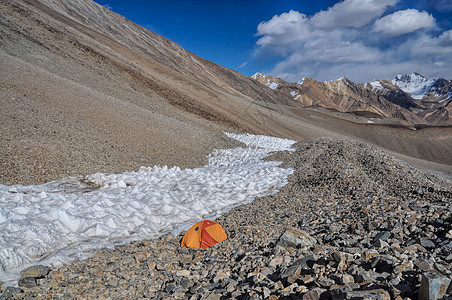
x=408, y=98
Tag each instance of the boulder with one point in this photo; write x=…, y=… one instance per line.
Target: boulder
x=433, y=286
x=294, y=237
x=38, y=271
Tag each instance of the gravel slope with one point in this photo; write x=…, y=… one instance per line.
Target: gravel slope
x=357, y=222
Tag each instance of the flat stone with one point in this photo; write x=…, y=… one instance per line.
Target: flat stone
x=183, y=273
x=346, y=278
x=38, y=271
x=276, y=261
x=306, y=263
x=294, y=237
x=378, y=294
x=382, y=236
x=433, y=286
x=423, y=265
x=404, y=267
x=342, y=256
x=426, y=243
x=313, y=294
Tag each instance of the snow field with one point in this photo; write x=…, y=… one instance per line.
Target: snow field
x=60, y=221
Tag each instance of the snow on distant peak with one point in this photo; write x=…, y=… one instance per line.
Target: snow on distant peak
x=273, y=85
x=376, y=84
x=414, y=84
x=301, y=81
x=295, y=95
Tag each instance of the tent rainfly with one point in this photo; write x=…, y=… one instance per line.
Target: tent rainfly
x=203, y=234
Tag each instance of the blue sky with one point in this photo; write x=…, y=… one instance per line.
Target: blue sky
x=324, y=40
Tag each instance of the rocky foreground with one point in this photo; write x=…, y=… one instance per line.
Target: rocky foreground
x=352, y=223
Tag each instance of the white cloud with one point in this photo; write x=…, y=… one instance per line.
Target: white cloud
x=404, y=21
x=351, y=13
x=445, y=39
x=107, y=6
x=243, y=64
x=283, y=29
x=349, y=40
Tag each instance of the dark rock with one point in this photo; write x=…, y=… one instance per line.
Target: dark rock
x=384, y=264
x=306, y=263
x=426, y=243
x=381, y=244
x=423, y=265
x=170, y=288
x=382, y=236
x=27, y=282
x=433, y=286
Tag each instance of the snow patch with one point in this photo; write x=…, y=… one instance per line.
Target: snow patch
x=376, y=85
x=295, y=95
x=273, y=85
x=61, y=221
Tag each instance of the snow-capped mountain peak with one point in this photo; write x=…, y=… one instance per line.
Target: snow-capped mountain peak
x=414, y=84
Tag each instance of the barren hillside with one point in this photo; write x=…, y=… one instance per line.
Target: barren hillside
x=84, y=90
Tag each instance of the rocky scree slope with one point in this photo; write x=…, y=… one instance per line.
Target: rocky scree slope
x=352, y=223
x=83, y=90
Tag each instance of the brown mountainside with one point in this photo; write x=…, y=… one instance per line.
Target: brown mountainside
x=380, y=99
x=84, y=90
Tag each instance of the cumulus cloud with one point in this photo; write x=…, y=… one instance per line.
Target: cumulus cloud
x=404, y=21
x=351, y=13
x=355, y=38
x=445, y=39
x=283, y=29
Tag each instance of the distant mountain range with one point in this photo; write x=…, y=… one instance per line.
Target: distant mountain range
x=408, y=98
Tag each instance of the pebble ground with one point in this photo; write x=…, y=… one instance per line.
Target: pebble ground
x=353, y=222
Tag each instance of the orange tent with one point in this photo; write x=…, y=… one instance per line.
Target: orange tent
x=203, y=234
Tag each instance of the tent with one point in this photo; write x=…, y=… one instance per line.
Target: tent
x=203, y=234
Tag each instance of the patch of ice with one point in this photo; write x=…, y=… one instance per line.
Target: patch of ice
x=376, y=84
x=301, y=81
x=60, y=221
x=273, y=85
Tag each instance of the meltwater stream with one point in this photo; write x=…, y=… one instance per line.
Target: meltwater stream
x=70, y=219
